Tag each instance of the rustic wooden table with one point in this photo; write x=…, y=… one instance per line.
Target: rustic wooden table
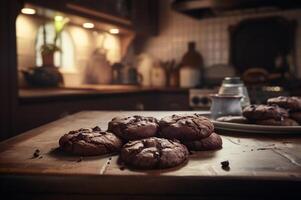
x=261, y=166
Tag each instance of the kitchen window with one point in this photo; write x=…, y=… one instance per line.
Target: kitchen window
x=64, y=58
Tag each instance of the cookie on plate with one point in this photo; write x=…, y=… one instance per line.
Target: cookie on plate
x=153, y=153
x=90, y=142
x=185, y=127
x=213, y=142
x=274, y=122
x=233, y=119
x=296, y=116
x=262, y=112
x=134, y=127
x=291, y=103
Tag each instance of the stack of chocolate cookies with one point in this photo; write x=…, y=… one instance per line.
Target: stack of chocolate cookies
x=195, y=131
x=279, y=111
x=291, y=104
x=143, y=149
x=145, y=142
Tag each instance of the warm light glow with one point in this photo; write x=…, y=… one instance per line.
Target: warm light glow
x=28, y=11
x=114, y=31
x=273, y=89
x=88, y=25
x=58, y=18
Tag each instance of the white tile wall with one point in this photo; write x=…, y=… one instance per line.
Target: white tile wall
x=211, y=35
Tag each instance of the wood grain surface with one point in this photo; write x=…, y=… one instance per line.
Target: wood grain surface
x=256, y=161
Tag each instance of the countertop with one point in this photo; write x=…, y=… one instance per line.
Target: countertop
x=33, y=94
x=260, y=166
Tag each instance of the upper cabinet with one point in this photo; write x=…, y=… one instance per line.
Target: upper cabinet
x=118, y=8
x=145, y=15
x=212, y=8
x=139, y=16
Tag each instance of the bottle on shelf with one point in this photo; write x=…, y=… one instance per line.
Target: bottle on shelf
x=192, y=68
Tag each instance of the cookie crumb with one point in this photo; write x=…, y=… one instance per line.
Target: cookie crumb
x=80, y=159
x=225, y=165
x=36, y=153
x=261, y=149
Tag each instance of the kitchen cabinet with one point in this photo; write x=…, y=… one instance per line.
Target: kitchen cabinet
x=119, y=8
x=212, y=8
x=145, y=16
x=140, y=16
x=114, y=12
x=261, y=167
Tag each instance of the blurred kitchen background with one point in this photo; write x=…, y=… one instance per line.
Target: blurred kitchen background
x=63, y=57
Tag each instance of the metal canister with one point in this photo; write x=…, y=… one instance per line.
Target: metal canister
x=235, y=86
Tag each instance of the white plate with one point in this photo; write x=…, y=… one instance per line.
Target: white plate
x=253, y=128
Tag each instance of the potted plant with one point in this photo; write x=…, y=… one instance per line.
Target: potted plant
x=48, y=49
x=47, y=53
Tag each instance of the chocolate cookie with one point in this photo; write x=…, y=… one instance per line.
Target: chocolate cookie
x=292, y=103
x=213, y=142
x=261, y=112
x=296, y=116
x=153, y=153
x=273, y=122
x=233, y=119
x=185, y=127
x=90, y=142
x=133, y=128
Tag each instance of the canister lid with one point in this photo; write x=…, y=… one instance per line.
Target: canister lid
x=232, y=80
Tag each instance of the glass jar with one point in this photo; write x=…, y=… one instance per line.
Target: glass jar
x=225, y=105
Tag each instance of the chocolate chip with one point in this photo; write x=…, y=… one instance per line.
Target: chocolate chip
x=36, y=153
x=80, y=136
x=225, y=163
x=96, y=128
x=122, y=168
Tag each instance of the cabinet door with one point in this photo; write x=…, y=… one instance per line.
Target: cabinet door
x=145, y=16
x=111, y=11
x=119, y=8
